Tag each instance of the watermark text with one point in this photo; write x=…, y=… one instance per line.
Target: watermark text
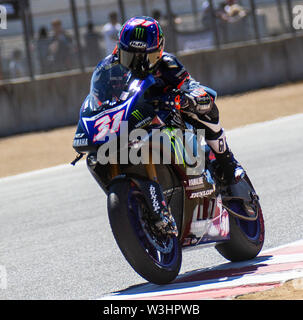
x=3, y=277
x=3, y=17
x=297, y=22
x=166, y=146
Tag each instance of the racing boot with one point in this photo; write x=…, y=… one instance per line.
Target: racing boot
x=228, y=168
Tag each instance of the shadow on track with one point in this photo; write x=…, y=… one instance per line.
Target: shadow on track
x=221, y=273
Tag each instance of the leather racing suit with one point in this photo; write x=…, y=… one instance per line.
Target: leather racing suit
x=200, y=109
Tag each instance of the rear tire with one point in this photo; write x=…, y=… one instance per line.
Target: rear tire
x=246, y=237
x=242, y=247
x=130, y=230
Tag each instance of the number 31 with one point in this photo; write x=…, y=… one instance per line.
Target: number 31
x=104, y=125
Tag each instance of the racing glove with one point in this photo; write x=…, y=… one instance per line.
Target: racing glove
x=173, y=102
x=198, y=100
x=195, y=100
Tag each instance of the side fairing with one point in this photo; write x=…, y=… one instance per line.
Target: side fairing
x=100, y=122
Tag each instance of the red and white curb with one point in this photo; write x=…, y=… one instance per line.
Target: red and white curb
x=270, y=269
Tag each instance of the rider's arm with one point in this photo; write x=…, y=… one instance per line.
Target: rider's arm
x=198, y=97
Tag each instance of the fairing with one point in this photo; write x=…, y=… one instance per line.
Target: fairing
x=200, y=215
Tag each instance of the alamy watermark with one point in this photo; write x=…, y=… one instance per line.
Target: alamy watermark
x=3, y=17
x=297, y=22
x=157, y=146
x=3, y=277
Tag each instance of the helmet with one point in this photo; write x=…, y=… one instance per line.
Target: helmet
x=140, y=45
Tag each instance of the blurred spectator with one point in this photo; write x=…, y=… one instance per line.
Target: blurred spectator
x=233, y=23
x=60, y=49
x=110, y=32
x=206, y=15
x=156, y=14
x=167, y=30
x=230, y=11
x=16, y=65
x=93, y=51
x=1, y=73
x=43, y=43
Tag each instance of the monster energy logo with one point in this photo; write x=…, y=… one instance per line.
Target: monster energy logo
x=177, y=145
x=138, y=115
x=139, y=33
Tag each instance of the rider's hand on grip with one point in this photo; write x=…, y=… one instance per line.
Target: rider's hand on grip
x=198, y=101
x=174, y=100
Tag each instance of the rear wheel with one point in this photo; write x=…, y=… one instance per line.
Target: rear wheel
x=246, y=237
x=156, y=257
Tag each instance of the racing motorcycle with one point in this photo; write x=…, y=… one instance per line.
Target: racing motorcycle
x=158, y=210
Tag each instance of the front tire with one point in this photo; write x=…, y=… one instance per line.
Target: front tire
x=157, y=259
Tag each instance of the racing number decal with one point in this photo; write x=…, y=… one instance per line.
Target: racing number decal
x=117, y=118
x=104, y=125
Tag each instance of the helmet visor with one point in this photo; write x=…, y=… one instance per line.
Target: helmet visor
x=154, y=57
x=131, y=60
x=126, y=58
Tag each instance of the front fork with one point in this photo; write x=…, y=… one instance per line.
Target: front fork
x=149, y=167
x=164, y=220
x=151, y=170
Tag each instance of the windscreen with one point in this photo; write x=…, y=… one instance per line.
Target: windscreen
x=109, y=85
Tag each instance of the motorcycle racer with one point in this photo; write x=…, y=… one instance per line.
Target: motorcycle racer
x=140, y=48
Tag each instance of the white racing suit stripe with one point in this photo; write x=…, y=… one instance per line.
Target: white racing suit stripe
x=219, y=145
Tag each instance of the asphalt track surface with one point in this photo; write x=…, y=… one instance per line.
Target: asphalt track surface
x=56, y=242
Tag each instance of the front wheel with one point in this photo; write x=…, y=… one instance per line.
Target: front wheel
x=156, y=257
